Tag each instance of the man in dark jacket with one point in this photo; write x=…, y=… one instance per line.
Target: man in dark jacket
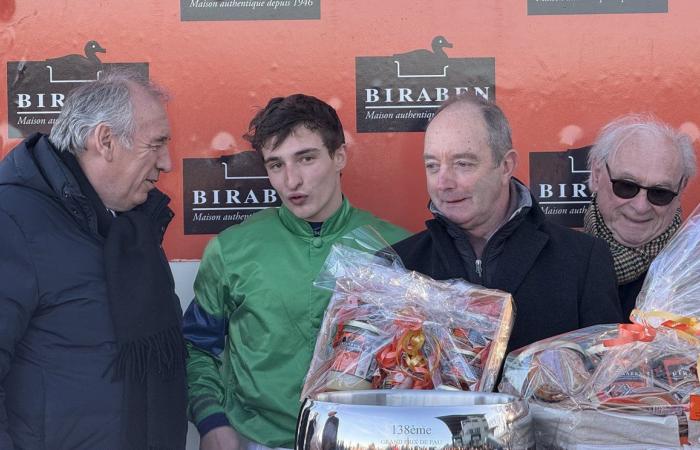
x=90, y=351
x=489, y=230
x=637, y=153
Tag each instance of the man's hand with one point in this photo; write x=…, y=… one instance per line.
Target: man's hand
x=220, y=438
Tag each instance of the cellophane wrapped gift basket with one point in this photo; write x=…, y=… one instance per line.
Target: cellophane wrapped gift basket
x=387, y=327
x=623, y=385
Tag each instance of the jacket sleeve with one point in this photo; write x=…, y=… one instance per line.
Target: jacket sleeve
x=599, y=303
x=205, y=327
x=18, y=300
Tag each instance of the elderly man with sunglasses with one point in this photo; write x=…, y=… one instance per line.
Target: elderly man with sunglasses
x=639, y=167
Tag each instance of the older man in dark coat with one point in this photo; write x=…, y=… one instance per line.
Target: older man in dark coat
x=489, y=230
x=91, y=355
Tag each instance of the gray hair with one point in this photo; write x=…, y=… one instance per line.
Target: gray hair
x=497, y=126
x=104, y=101
x=617, y=132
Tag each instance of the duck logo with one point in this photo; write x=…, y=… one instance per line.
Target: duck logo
x=559, y=182
x=554, y=7
x=36, y=89
x=220, y=192
x=401, y=92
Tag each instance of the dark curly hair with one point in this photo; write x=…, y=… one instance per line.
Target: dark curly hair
x=282, y=115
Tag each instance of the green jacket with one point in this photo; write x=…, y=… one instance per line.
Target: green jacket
x=255, y=285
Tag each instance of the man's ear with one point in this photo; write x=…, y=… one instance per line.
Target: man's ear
x=596, y=173
x=103, y=141
x=509, y=163
x=340, y=158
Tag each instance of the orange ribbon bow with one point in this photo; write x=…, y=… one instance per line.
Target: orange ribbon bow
x=631, y=332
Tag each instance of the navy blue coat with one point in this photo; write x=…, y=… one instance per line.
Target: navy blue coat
x=561, y=280
x=56, y=336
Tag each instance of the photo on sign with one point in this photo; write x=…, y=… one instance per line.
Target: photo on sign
x=36, y=90
x=402, y=92
x=559, y=182
x=220, y=192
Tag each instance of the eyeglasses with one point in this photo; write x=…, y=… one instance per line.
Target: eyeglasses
x=629, y=189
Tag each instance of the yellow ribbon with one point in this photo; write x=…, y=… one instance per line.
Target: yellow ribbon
x=690, y=326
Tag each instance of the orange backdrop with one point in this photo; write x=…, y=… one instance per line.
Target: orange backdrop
x=559, y=78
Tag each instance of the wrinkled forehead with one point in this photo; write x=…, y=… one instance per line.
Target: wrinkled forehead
x=647, y=151
x=150, y=116
x=458, y=128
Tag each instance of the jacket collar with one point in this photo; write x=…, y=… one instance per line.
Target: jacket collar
x=521, y=238
x=37, y=164
x=102, y=216
x=333, y=225
x=520, y=200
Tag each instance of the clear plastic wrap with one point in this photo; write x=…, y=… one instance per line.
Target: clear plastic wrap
x=620, y=367
x=580, y=382
x=671, y=290
x=386, y=327
x=647, y=368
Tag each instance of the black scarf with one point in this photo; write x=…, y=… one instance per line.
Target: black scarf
x=146, y=316
x=147, y=319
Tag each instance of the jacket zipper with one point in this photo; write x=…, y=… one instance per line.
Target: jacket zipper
x=478, y=264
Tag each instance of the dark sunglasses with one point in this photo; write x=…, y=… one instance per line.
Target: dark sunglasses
x=629, y=189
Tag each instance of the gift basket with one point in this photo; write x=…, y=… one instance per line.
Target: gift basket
x=386, y=327
x=630, y=377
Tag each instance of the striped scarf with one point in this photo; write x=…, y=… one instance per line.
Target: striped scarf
x=630, y=262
